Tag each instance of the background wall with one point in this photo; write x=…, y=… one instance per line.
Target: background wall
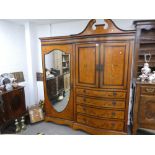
x=13, y=50
x=20, y=48
x=12, y=47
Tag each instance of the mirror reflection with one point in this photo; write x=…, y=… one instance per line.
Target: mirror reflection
x=57, y=67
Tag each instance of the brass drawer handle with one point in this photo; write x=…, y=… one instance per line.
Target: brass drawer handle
x=150, y=90
x=84, y=91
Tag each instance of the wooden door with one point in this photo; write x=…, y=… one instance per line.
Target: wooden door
x=87, y=60
x=114, y=65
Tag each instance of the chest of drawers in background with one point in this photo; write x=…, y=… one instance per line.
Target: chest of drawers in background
x=144, y=107
x=12, y=105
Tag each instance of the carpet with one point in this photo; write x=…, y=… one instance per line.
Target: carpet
x=48, y=128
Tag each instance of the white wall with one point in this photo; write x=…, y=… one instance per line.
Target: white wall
x=31, y=54
x=12, y=50
x=12, y=47
x=41, y=31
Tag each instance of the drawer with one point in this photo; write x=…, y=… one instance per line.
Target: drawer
x=101, y=103
x=100, y=123
x=104, y=94
x=149, y=90
x=104, y=113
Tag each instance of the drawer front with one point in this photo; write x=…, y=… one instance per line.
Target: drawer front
x=104, y=94
x=98, y=123
x=101, y=103
x=148, y=90
x=100, y=112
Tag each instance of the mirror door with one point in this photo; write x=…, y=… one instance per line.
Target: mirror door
x=57, y=81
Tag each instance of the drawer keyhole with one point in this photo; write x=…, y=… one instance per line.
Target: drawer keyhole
x=113, y=114
x=84, y=108
x=114, y=103
x=84, y=99
x=85, y=120
x=114, y=93
x=112, y=125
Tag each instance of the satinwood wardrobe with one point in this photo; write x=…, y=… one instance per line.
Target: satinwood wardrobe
x=90, y=75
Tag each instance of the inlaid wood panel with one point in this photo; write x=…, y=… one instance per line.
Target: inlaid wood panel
x=103, y=113
x=114, y=104
x=99, y=123
x=148, y=90
x=114, y=65
x=86, y=63
x=146, y=113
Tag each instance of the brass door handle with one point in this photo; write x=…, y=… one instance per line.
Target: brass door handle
x=99, y=67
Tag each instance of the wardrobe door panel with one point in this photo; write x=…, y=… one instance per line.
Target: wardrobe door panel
x=114, y=65
x=86, y=65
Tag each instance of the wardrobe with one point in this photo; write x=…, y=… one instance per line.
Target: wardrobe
x=99, y=67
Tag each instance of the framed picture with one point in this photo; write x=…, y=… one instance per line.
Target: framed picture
x=36, y=114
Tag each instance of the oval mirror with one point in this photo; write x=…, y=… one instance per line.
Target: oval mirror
x=57, y=69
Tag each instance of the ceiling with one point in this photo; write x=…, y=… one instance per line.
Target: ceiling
x=41, y=21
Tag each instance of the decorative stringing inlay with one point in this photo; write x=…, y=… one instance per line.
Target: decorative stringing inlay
x=149, y=110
